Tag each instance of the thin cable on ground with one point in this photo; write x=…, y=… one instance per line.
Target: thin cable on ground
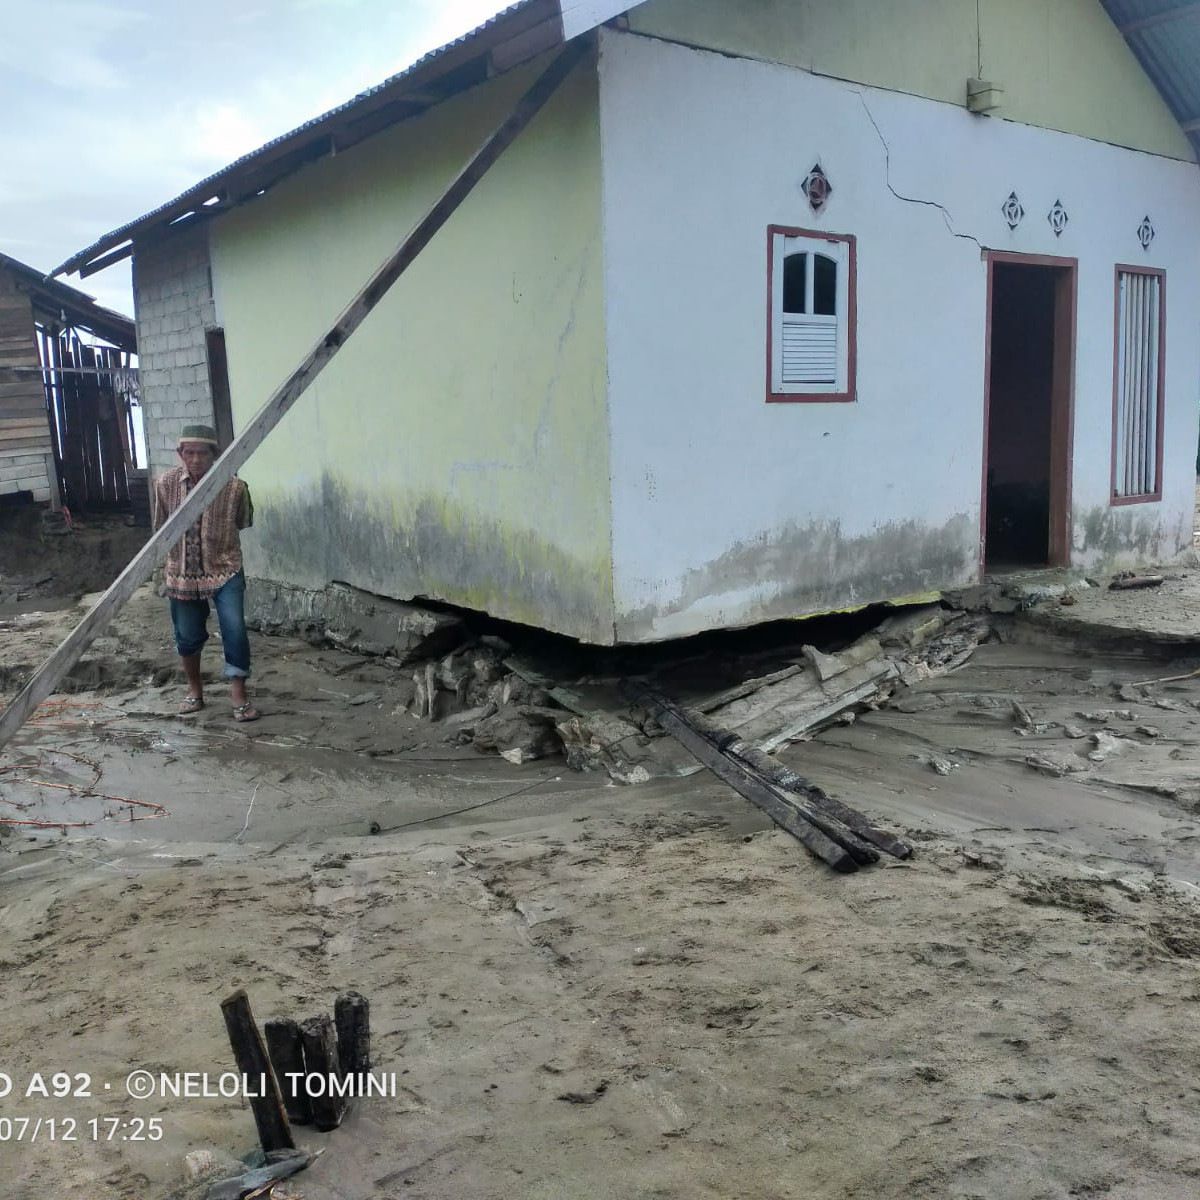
x=246, y=823
x=470, y=807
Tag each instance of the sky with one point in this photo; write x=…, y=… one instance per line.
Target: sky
x=109, y=108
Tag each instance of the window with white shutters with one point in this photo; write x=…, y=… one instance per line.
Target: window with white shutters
x=811, y=334
x=1138, y=385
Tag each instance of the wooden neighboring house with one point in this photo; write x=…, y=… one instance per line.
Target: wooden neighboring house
x=67, y=383
x=776, y=308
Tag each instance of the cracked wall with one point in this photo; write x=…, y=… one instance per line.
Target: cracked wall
x=728, y=510
x=1062, y=63
x=457, y=446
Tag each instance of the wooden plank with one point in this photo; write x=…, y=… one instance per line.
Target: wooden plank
x=774, y=773
x=787, y=779
x=785, y=815
x=27, y=387
x=250, y=1054
x=747, y=688
x=46, y=678
x=21, y=426
x=818, y=715
x=23, y=407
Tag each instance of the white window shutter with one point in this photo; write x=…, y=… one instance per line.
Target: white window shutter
x=810, y=349
x=1138, y=324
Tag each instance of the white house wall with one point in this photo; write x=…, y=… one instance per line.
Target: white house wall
x=728, y=510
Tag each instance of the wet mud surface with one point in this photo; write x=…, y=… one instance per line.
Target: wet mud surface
x=586, y=989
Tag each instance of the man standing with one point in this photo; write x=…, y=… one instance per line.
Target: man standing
x=206, y=564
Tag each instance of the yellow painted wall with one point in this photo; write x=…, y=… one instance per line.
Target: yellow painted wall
x=1062, y=63
x=457, y=446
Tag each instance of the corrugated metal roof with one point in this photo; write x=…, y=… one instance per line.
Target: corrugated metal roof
x=203, y=194
x=1165, y=37
x=1163, y=34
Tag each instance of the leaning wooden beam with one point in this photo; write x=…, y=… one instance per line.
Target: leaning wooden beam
x=50, y=674
x=785, y=815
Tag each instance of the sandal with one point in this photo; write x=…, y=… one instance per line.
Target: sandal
x=245, y=712
x=192, y=704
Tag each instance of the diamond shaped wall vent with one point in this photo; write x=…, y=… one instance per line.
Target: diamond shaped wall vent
x=1014, y=214
x=817, y=188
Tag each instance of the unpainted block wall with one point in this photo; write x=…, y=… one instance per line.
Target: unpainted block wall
x=173, y=303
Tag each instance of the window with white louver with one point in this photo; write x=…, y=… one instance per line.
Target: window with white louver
x=1138, y=400
x=811, y=311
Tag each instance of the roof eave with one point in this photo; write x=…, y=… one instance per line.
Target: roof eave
x=512, y=37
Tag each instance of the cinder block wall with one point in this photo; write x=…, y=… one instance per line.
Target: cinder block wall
x=173, y=305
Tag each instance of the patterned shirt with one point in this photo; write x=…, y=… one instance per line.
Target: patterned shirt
x=210, y=554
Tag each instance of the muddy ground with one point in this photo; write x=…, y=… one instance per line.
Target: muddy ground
x=603, y=991
x=47, y=560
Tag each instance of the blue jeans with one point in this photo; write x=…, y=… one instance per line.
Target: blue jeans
x=190, y=621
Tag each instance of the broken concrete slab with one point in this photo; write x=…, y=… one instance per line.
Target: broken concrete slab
x=352, y=619
x=518, y=733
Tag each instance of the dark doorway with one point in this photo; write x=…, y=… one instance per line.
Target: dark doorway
x=218, y=381
x=1031, y=318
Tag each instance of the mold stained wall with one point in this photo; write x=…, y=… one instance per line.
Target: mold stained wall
x=728, y=510
x=457, y=446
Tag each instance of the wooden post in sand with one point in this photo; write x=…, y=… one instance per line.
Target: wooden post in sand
x=321, y=1062
x=352, y=1015
x=286, y=1048
x=274, y=1132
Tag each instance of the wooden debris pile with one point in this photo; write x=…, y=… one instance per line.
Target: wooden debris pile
x=487, y=694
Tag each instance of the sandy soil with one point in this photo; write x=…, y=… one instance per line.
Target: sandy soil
x=42, y=560
x=587, y=990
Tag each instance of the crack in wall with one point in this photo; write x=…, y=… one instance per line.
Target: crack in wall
x=887, y=178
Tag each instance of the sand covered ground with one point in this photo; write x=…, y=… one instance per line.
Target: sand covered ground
x=602, y=991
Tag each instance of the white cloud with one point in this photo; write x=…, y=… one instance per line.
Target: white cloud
x=109, y=108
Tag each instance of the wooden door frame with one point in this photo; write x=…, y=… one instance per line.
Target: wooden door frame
x=218, y=384
x=1062, y=398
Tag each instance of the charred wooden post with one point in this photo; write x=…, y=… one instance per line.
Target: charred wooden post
x=286, y=1048
x=786, y=816
x=786, y=778
x=321, y=1060
x=832, y=816
x=352, y=1016
x=274, y=1132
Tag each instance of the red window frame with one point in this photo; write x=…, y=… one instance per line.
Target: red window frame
x=849, y=395
x=1155, y=496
